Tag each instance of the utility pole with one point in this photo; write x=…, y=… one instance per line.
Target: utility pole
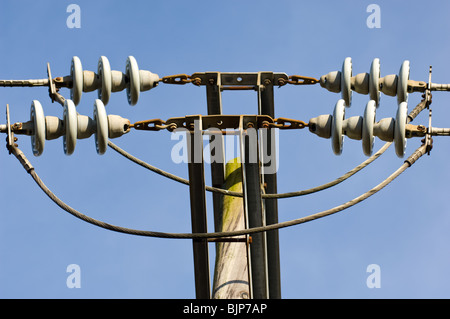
x=231, y=275
x=245, y=189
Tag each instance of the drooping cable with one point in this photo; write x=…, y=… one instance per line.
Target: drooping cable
x=30, y=169
x=411, y=116
x=239, y=194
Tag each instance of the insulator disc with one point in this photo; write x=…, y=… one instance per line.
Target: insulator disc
x=76, y=73
x=104, y=72
x=367, y=128
x=400, y=129
x=38, y=119
x=70, y=123
x=101, y=134
x=134, y=85
x=346, y=75
x=374, y=81
x=337, y=138
x=402, y=83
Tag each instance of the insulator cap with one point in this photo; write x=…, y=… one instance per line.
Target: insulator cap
x=321, y=125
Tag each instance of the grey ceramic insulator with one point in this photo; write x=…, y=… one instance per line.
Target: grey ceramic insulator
x=384, y=129
x=118, y=80
x=321, y=125
x=148, y=80
x=352, y=127
x=337, y=136
x=91, y=81
x=117, y=126
x=86, y=127
x=38, y=120
x=70, y=127
x=331, y=81
x=76, y=73
x=388, y=84
x=360, y=83
x=400, y=129
x=54, y=127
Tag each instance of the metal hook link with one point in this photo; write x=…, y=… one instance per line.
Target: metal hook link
x=180, y=79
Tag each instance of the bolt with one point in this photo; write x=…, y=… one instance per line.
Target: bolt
x=172, y=127
x=197, y=81
x=244, y=295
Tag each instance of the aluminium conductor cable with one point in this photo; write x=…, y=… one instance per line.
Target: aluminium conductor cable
x=30, y=169
x=239, y=194
x=411, y=116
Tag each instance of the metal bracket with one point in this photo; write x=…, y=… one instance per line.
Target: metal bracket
x=149, y=125
x=428, y=138
x=238, y=80
x=10, y=134
x=428, y=141
x=198, y=212
x=52, y=90
x=415, y=130
x=221, y=122
x=51, y=84
x=416, y=86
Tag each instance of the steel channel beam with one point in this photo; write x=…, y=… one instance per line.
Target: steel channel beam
x=234, y=80
x=197, y=193
x=214, y=105
x=251, y=184
x=265, y=265
x=267, y=107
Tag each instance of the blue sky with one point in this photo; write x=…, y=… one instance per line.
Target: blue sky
x=403, y=229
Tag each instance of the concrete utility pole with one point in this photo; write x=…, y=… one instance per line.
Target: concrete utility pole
x=231, y=279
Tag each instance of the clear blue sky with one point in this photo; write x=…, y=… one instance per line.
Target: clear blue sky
x=403, y=229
